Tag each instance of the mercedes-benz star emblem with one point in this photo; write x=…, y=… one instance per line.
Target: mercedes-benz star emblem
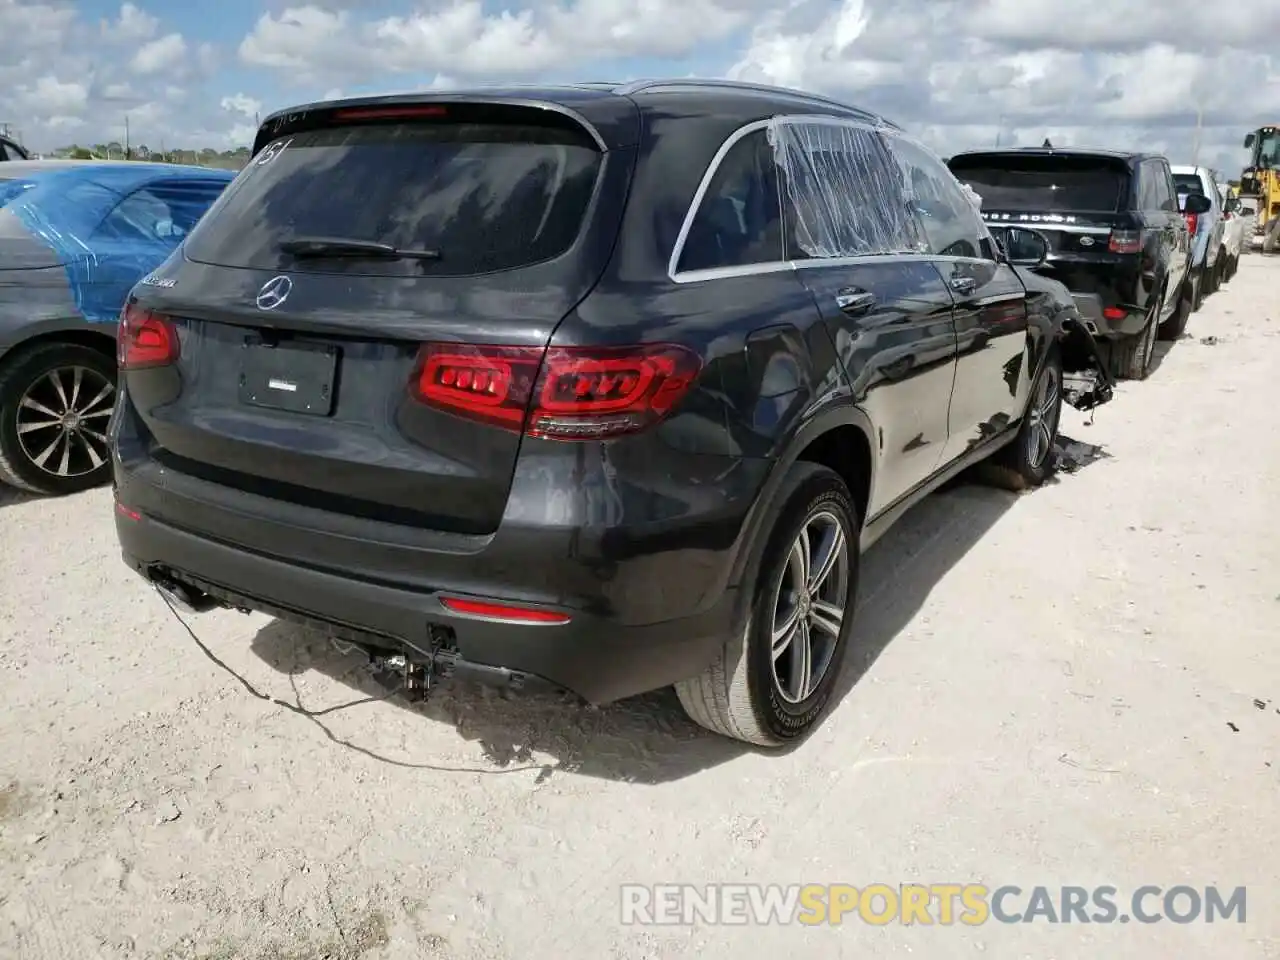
x=274, y=292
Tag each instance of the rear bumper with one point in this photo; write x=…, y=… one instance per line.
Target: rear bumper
x=1092, y=310
x=646, y=606
x=590, y=655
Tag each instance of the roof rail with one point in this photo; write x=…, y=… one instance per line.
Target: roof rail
x=638, y=86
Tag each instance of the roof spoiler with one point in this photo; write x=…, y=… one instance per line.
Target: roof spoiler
x=475, y=107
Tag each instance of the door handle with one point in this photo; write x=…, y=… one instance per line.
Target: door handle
x=853, y=301
x=964, y=285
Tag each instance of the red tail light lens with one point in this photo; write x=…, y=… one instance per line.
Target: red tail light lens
x=489, y=610
x=1193, y=221
x=564, y=393
x=1125, y=241
x=1114, y=313
x=145, y=339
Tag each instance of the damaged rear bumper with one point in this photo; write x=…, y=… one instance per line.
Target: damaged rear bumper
x=1087, y=383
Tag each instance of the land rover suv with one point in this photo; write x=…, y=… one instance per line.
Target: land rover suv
x=603, y=386
x=1118, y=240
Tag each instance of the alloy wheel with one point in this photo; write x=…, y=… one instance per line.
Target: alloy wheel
x=62, y=421
x=1043, y=416
x=809, y=606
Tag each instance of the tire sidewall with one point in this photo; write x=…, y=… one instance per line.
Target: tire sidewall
x=17, y=377
x=785, y=722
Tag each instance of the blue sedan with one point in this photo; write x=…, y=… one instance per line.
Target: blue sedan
x=75, y=237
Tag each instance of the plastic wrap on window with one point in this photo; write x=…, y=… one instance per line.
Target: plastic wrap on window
x=848, y=195
x=60, y=257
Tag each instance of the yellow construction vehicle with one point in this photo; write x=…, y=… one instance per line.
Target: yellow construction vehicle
x=1260, y=182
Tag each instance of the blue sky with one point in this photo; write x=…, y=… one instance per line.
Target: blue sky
x=956, y=72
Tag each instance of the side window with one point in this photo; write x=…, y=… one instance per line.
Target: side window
x=138, y=217
x=1169, y=192
x=843, y=193
x=739, y=221
x=951, y=220
x=1148, y=186
x=162, y=213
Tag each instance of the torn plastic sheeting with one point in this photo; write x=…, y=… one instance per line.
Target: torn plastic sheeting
x=834, y=178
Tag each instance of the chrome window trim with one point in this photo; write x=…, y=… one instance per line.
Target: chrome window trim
x=692, y=276
x=1049, y=225
x=704, y=185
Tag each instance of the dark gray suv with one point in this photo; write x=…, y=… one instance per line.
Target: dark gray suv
x=601, y=385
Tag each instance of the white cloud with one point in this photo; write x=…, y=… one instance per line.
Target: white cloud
x=131, y=26
x=160, y=54
x=242, y=104
x=959, y=72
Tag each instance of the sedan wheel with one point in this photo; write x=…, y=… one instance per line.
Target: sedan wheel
x=56, y=402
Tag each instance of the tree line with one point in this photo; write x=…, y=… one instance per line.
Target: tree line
x=204, y=157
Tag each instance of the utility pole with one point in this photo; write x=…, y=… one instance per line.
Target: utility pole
x=127, y=153
x=1195, y=150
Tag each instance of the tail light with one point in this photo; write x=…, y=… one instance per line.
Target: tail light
x=562, y=393
x=1193, y=221
x=1125, y=241
x=1114, y=313
x=145, y=339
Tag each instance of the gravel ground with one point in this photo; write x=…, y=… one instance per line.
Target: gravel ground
x=1077, y=685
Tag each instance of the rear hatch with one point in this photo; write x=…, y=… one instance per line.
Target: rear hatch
x=1079, y=202
x=308, y=295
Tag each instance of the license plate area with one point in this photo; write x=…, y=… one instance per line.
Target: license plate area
x=297, y=377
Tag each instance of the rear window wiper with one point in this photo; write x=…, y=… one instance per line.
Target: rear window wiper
x=358, y=249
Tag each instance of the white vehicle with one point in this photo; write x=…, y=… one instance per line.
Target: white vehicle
x=1210, y=266
x=1238, y=224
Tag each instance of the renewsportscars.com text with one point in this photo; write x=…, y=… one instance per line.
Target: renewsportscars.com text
x=970, y=904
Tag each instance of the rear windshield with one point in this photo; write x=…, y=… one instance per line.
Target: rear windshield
x=1045, y=184
x=486, y=197
x=1188, y=183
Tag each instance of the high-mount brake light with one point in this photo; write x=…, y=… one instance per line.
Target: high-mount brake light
x=388, y=113
x=145, y=339
x=562, y=393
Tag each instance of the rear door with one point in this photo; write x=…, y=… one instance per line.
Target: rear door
x=862, y=255
x=990, y=303
x=303, y=361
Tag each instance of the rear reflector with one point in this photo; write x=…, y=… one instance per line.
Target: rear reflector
x=145, y=339
x=1125, y=241
x=1114, y=313
x=126, y=512
x=487, y=610
x=562, y=393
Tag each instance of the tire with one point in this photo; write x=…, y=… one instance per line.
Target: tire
x=1197, y=289
x=36, y=427
x=1029, y=460
x=1130, y=358
x=748, y=694
x=1176, y=325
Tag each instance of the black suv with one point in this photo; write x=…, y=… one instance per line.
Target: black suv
x=1117, y=239
x=601, y=385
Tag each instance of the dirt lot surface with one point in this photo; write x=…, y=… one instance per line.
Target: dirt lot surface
x=1077, y=685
